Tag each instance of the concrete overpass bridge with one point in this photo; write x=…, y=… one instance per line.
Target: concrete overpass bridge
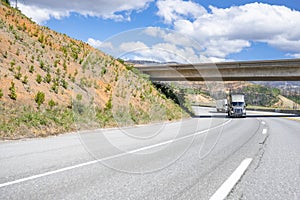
x=264, y=70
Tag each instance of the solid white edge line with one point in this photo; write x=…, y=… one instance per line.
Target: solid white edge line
x=264, y=131
x=228, y=185
x=107, y=158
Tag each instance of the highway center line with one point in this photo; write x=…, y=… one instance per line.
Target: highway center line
x=228, y=185
x=107, y=158
x=264, y=131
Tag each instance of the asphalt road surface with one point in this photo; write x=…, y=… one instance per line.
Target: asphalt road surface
x=206, y=157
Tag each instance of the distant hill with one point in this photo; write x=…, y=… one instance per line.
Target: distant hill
x=51, y=83
x=205, y=93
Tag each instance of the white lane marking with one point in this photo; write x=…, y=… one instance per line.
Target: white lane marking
x=107, y=158
x=263, y=122
x=228, y=185
x=264, y=131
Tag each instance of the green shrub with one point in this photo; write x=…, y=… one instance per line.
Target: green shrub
x=12, y=89
x=6, y=1
x=25, y=80
x=41, y=38
x=39, y=98
x=79, y=97
x=18, y=75
x=51, y=103
x=38, y=79
x=65, y=66
x=58, y=73
x=103, y=71
x=64, y=84
x=108, y=105
x=31, y=69
x=1, y=93
x=56, y=62
x=42, y=64
x=47, y=78
x=12, y=63
x=54, y=87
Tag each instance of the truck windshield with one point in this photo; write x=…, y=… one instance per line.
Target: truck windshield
x=238, y=103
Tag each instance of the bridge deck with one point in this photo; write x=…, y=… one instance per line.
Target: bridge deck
x=265, y=70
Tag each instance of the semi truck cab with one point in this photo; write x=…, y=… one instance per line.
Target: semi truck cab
x=236, y=105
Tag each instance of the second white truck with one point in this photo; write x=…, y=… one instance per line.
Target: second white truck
x=222, y=105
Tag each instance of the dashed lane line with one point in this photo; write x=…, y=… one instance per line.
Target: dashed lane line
x=228, y=185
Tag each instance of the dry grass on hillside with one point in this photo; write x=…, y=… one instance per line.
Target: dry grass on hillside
x=72, y=76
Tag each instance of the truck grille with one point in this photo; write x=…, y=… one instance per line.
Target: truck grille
x=238, y=110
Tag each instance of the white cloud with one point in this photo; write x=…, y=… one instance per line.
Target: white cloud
x=132, y=47
x=99, y=44
x=222, y=47
x=43, y=10
x=172, y=10
x=94, y=43
x=296, y=55
x=173, y=37
x=161, y=52
x=221, y=32
x=40, y=15
x=170, y=52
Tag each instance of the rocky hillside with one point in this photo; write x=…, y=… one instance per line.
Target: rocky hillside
x=50, y=83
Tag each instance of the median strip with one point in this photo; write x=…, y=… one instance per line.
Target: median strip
x=228, y=185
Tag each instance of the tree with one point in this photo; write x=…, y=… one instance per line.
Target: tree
x=1, y=93
x=39, y=98
x=12, y=89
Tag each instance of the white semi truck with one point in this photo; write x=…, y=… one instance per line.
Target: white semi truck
x=236, y=105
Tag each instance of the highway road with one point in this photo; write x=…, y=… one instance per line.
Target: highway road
x=206, y=157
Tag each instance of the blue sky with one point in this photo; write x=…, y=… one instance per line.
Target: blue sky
x=177, y=30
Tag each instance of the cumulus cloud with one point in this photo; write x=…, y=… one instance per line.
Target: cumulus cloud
x=133, y=46
x=160, y=52
x=296, y=55
x=99, y=44
x=40, y=15
x=172, y=10
x=223, y=31
x=43, y=10
x=173, y=37
x=94, y=43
